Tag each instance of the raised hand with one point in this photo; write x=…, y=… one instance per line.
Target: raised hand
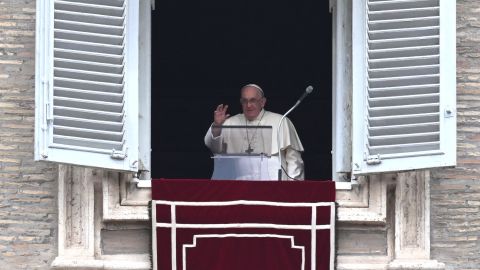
x=220, y=115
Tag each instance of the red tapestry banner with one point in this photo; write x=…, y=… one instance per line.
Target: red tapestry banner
x=205, y=224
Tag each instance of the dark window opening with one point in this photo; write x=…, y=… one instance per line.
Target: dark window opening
x=203, y=52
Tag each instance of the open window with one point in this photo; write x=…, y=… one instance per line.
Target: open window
x=393, y=87
x=204, y=52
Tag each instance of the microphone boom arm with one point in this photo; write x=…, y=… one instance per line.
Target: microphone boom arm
x=308, y=90
x=278, y=138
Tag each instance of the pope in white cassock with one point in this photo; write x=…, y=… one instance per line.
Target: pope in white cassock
x=253, y=101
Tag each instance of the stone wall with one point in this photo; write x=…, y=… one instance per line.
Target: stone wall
x=455, y=193
x=28, y=189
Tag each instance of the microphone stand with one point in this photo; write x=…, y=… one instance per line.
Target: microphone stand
x=278, y=138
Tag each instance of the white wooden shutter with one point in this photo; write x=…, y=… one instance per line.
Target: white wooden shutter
x=404, y=85
x=87, y=83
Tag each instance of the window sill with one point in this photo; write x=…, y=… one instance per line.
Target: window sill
x=344, y=185
x=143, y=183
x=338, y=185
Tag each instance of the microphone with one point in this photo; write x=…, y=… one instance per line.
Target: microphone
x=308, y=90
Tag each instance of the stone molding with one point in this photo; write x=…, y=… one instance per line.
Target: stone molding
x=365, y=202
x=412, y=222
x=405, y=215
x=122, y=200
x=80, y=219
x=407, y=219
x=76, y=208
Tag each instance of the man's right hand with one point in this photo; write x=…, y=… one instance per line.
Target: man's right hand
x=220, y=115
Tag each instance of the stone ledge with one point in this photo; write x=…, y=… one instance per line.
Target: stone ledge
x=409, y=264
x=361, y=266
x=114, y=262
x=361, y=262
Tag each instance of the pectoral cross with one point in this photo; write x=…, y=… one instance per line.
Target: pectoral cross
x=249, y=149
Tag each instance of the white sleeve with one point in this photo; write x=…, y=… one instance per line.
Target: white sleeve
x=294, y=162
x=213, y=143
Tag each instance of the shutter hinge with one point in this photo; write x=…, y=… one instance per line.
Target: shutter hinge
x=48, y=107
x=374, y=160
x=133, y=165
x=48, y=113
x=118, y=154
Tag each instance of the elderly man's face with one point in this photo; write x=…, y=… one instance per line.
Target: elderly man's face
x=252, y=102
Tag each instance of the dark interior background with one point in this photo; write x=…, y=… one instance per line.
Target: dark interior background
x=203, y=52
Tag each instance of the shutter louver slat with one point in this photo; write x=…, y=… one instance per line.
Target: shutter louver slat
x=401, y=4
x=399, y=149
x=404, y=14
x=88, y=18
x=88, y=47
x=404, y=23
x=404, y=139
x=403, y=42
x=88, y=27
x=403, y=100
x=87, y=66
x=88, y=56
x=88, y=75
x=403, y=110
x=99, y=8
x=89, y=104
x=90, y=95
x=88, y=90
x=74, y=142
x=88, y=123
x=403, y=77
x=403, y=119
x=404, y=52
x=403, y=62
x=88, y=37
x=404, y=129
x=88, y=85
x=404, y=90
x=404, y=33
x=403, y=81
x=115, y=3
x=88, y=133
x=404, y=71
x=87, y=114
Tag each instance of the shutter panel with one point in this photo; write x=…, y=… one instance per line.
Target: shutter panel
x=87, y=83
x=404, y=85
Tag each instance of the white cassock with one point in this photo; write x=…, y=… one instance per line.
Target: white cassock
x=290, y=143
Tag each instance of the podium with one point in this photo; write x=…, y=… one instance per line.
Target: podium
x=238, y=225
x=244, y=153
x=245, y=167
